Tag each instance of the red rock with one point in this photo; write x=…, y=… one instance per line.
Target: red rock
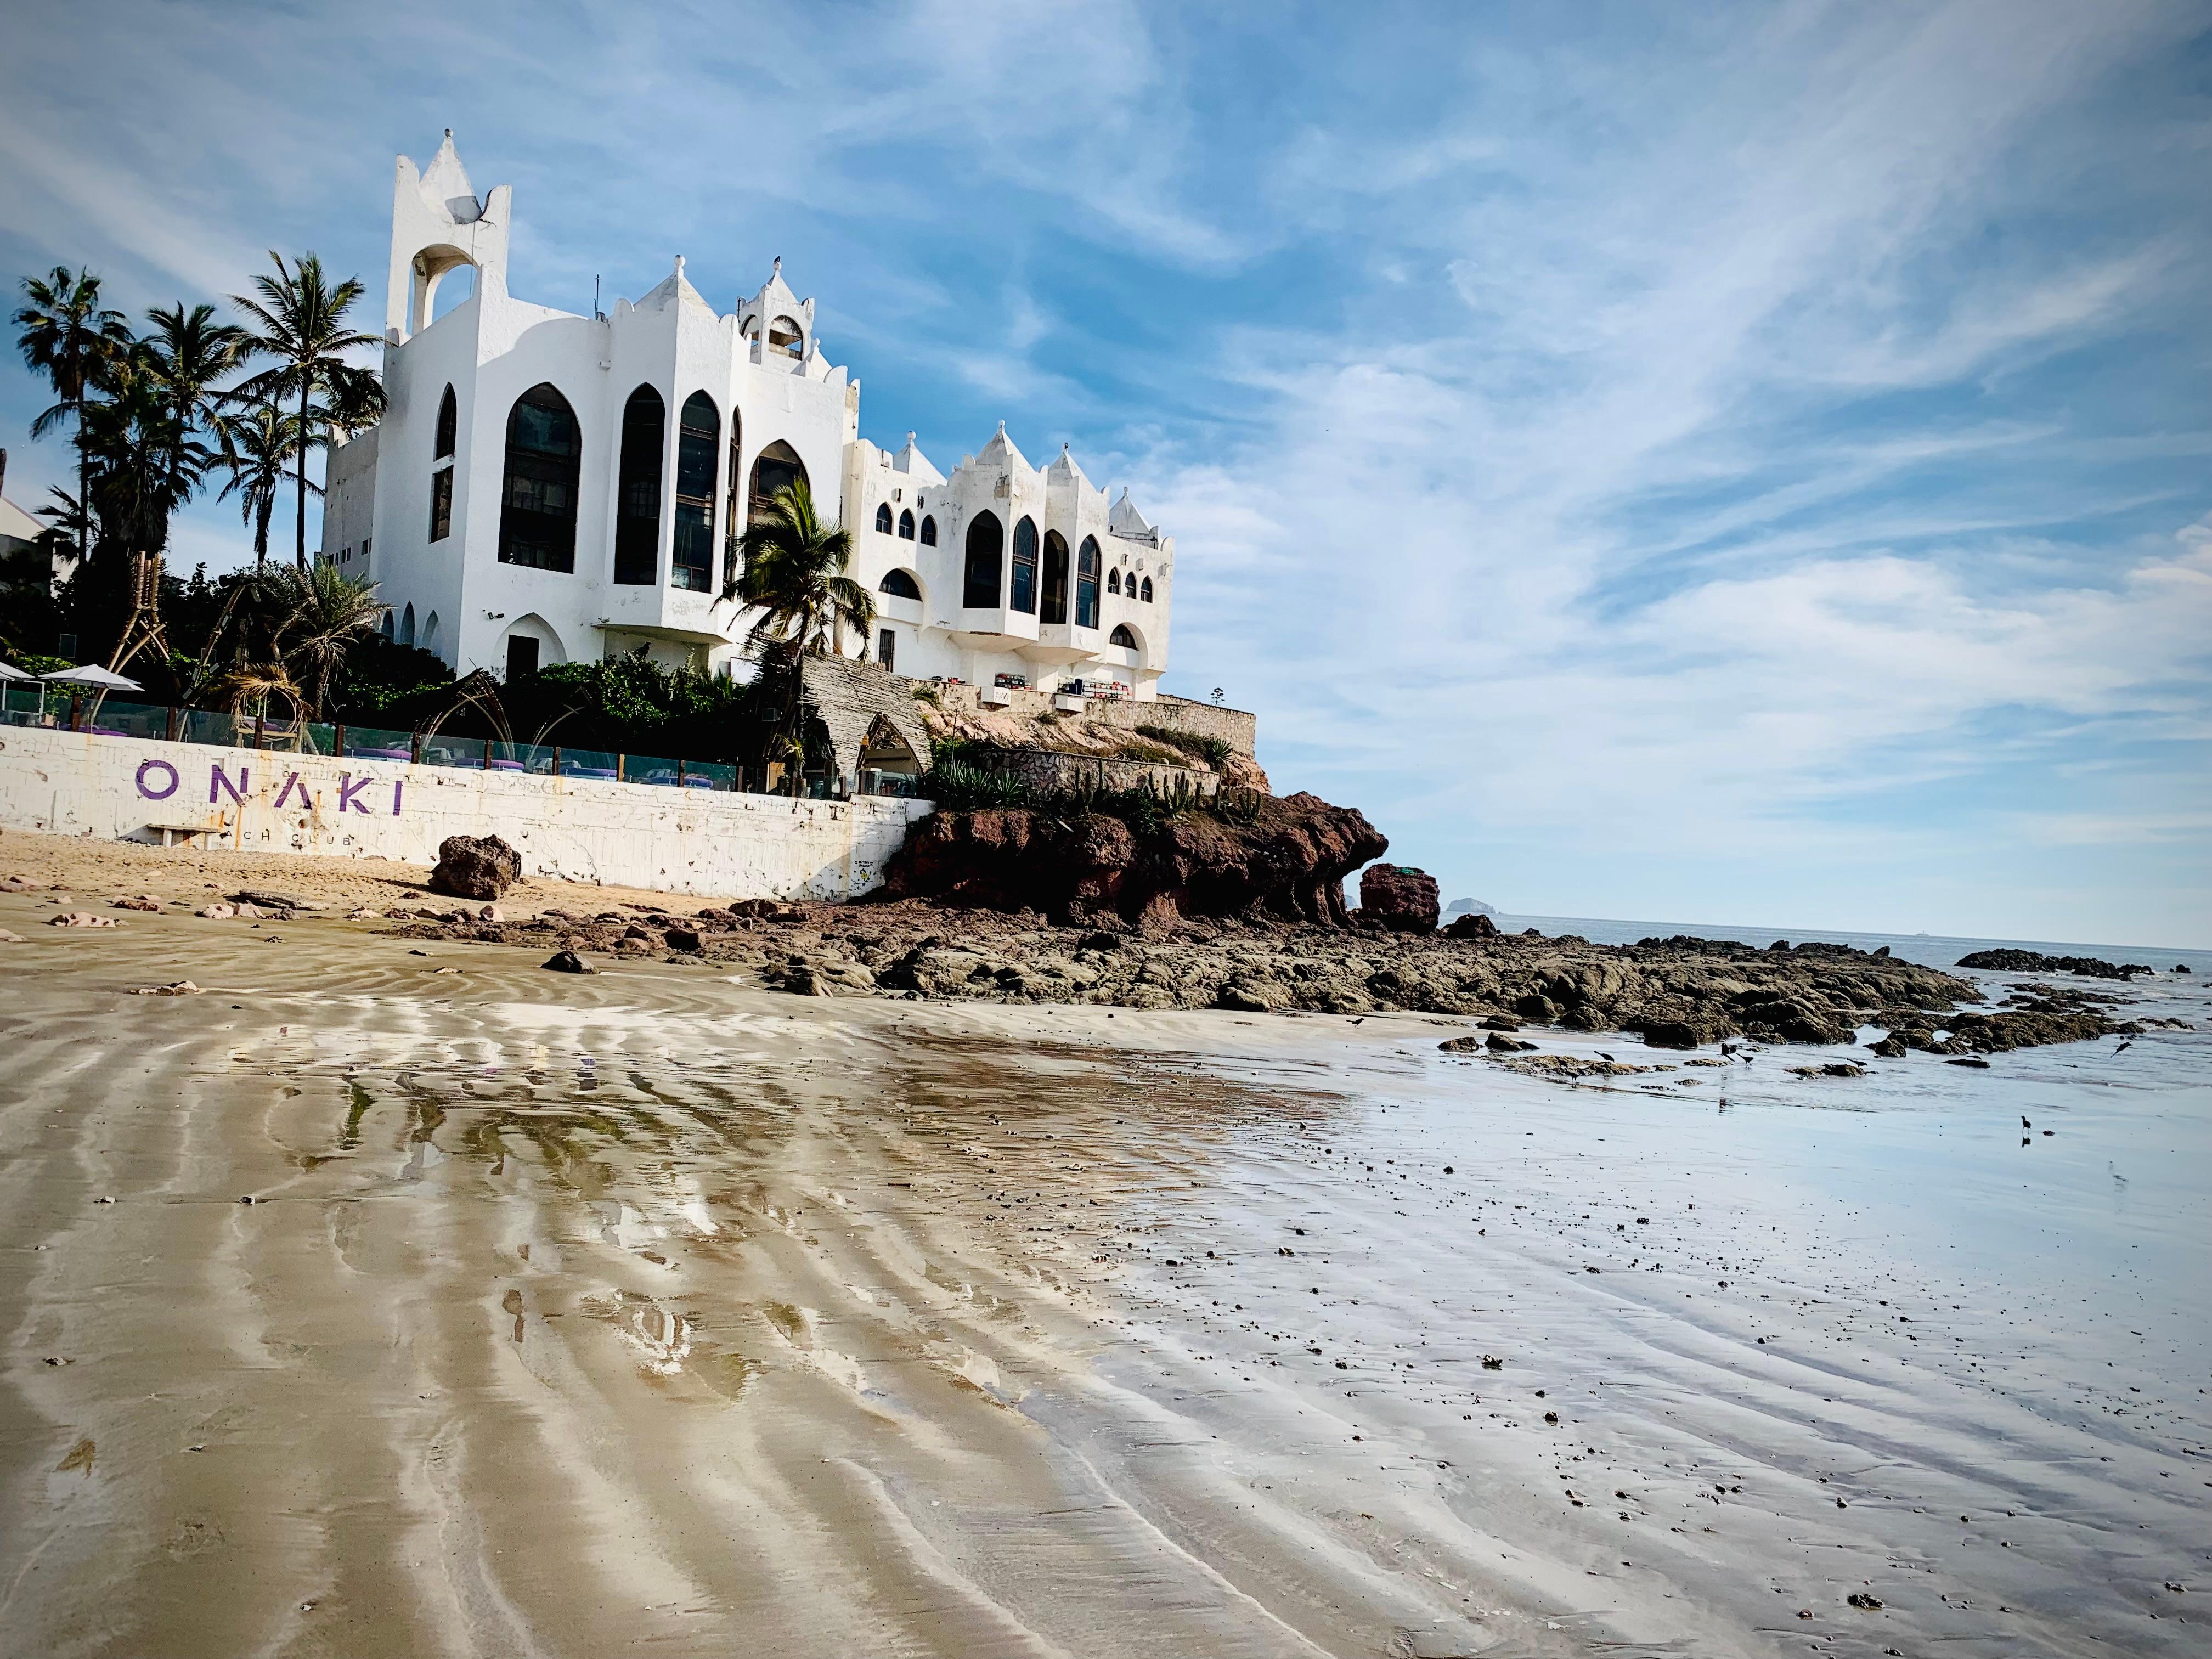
x=1399, y=898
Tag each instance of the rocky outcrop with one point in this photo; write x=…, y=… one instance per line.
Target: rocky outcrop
x=1288, y=864
x=475, y=867
x=1398, y=899
x=2009, y=961
x=1473, y=926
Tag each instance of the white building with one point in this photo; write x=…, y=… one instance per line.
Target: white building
x=547, y=487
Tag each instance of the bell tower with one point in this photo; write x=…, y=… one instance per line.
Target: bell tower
x=437, y=224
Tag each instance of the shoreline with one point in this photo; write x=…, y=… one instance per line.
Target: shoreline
x=573, y=1311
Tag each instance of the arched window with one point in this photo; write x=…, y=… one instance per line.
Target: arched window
x=448, y=423
x=777, y=467
x=1147, y=596
x=1114, y=581
x=637, y=490
x=441, y=502
x=987, y=545
x=906, y=526
x=929, y=532
x=384, y=627
x=1054, y=609
x=900, y=585
x=733, y=520
x=883, y=517
x=1123, y=637
x=1086, y=583
x=538, y=497
x=785, y=336
x=698, y=446
x=407, y=627
x=430, y=632
x=1025, y=568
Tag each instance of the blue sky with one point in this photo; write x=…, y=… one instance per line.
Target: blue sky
x=1726, y=462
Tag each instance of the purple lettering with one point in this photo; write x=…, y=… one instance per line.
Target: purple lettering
x=397, y=784
x=218, y=781
x=292, y=782
x=145, y=767
x=348, y=789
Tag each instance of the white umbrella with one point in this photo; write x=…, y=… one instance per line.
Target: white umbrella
x=93, y=677
x=9, y=671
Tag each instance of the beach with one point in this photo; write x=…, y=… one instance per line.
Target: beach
x=654, y=1308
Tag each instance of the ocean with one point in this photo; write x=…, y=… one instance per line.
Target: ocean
x=1930, y=950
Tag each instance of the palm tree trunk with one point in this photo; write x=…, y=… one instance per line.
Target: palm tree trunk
x=83, y=507
x=261, y=516
x=299, y=546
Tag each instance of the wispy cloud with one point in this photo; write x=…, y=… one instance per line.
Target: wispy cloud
x=1726, y=462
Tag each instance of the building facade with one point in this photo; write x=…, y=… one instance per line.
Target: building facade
x=546, y=487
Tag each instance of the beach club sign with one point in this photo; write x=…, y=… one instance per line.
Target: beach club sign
x=160, y=780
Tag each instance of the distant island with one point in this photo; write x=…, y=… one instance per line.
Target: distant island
x=1470, y=907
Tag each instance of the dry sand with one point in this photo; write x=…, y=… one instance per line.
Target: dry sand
x=577, y=1316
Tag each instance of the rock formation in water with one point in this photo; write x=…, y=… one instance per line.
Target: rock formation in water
x=2009, y=961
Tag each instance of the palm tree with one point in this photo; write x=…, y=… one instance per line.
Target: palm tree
x=187, y=352
x=257, y=446
x=325, y=613
x=301, y=322
x=70, y=339
x=795, y=571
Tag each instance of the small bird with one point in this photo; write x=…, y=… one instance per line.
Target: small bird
x=2125, y=1046
x=1362, y=1020
x=2025, y=1124
x=1601, y=1055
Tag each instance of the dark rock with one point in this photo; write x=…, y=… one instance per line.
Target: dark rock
x=1691, y=1033
x=680, y=937
x=1399, y=899
x=2180, y=967
x=475, y=867
x=1461, y=1045
x=2009, y=961
x=566, y=962
x=1538, y=1007
x=1498, y=1043
x=1890, y=1047
x=1500, y=1023
x=1834, y=1068
x=1288, y=864
x=1476, y=926
x=1978, y=1065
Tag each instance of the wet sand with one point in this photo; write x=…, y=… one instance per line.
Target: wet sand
x=577, y=1316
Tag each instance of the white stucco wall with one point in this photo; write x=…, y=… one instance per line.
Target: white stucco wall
x=726, y=846
x=493, y=347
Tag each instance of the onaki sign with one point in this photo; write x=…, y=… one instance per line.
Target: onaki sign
x=158, y=779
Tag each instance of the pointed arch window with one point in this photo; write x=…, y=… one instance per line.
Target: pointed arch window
x=733, y=520
x=1055, y=606
x=981, y=583
x=441, y=476
x=1114, y=581
x=1087, y=583
x=906, y=525
x=698, y=446
x=929, y=532
x=899, y=585
x=777, y=467
x=1145, y=597
x=883, y=517
x=407, y=626
x=637, y=490
x=538, y=494
x=1025, y=568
